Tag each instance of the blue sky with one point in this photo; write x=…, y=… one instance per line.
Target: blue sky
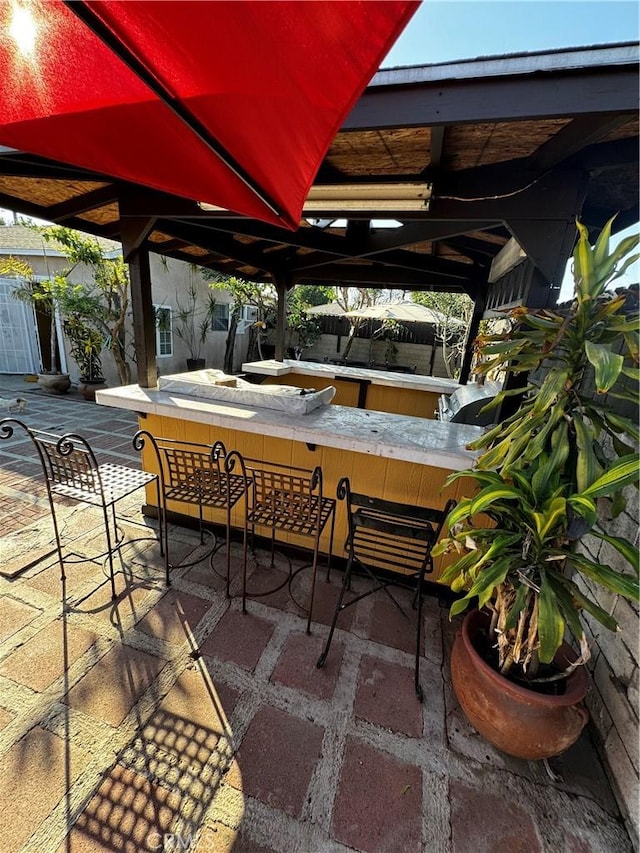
x=446, y=30
x=443, y=30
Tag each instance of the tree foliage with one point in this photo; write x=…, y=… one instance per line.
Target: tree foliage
x=108, y=295
x=455, y=310
x=244, y=293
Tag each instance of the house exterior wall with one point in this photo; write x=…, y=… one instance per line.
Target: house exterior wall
x=170, y=279
x=47, y=267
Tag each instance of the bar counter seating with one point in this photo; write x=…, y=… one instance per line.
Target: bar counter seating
x=287, y=500
x=278, y=499
x=391, y=543
x=196, y=475
x=71, y=471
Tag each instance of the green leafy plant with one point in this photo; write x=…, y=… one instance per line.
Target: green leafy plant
x=546, y=473
x=49, y=295
x=193, y=320
x=303, y=328
x=454, y=313
x=86, y=344
x=388, y=331
x=59, y=297
x=243, y=293
x=93, y=314
x=109, y=290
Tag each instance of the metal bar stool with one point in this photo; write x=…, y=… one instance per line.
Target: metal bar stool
x=290, y=500
x=197, y=475
x=71, y=471
x=390, y=536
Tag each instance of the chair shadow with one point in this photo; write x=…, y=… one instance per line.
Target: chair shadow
x=159, y=788
x=156, y=793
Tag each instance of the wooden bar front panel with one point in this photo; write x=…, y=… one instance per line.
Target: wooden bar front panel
x=386, y=478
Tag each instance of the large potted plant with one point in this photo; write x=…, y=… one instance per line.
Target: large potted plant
x=545, y=479
x=192, y=324
x=85, y=343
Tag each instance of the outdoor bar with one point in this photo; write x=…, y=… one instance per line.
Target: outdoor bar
x=397, y=457
x=380, y=390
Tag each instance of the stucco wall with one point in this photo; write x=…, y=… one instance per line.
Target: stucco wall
x=174, y=277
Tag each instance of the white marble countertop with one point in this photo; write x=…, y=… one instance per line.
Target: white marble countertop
x=426, y=442
x=413, y=381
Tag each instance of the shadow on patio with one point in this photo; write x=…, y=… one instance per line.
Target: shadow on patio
x=171, y=721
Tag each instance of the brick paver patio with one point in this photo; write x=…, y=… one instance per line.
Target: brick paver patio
x=168, y=720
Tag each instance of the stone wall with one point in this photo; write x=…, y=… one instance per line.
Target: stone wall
x=418, y=355
x=613, y=696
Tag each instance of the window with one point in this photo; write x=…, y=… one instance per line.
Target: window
x=248, y=318
x=164, y=331
x=220, y=317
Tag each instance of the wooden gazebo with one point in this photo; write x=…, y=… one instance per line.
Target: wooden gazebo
x=504, y=152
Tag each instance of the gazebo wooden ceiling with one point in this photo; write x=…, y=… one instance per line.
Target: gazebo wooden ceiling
x=514, y=147
x=507, y=143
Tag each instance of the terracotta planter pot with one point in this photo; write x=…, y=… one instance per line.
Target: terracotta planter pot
x=54, y=383
x=87, y=387
x=518, y=721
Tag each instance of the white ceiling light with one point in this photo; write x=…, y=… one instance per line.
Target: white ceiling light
x=361, y=197
x=365, y=197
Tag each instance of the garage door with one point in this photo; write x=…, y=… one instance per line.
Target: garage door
x=19, y=348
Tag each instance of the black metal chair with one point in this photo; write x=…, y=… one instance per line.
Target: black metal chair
x=197, y=475
x=71, y=471
x=393, y=537
x=289, y=500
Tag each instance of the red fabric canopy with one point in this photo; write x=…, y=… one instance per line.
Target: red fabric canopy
x=271, y=82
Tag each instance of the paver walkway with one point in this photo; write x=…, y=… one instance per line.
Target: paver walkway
x=169, y=720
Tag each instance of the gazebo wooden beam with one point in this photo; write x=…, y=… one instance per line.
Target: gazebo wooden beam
x=435, y=99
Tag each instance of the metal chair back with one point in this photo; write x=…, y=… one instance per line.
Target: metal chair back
x=391, y=535
x=287, y=499
x=199, y=475
x=392, y=543
x=69, y=464
x=71, y=470
x=290, y=500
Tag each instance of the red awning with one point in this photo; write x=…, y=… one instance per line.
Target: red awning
x=268, y=83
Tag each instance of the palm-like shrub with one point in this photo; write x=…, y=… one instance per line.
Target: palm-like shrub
x=544, y=470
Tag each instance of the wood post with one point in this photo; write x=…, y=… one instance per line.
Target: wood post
x=144, y=321
x=283, y=282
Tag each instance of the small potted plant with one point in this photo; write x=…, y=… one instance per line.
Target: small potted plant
x=192, y=325
x=542, y=484
x=86, y=344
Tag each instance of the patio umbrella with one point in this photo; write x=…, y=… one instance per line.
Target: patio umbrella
x=231, y=103
x=404, y=312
